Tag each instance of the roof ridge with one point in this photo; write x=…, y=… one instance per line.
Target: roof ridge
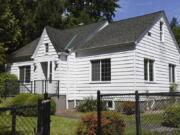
x=75, y=27
x=161, y=11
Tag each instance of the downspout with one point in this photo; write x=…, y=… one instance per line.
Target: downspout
x=67, y=92
x=134, y=63
x=66, y=48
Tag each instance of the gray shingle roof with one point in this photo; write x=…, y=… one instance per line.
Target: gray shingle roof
x=25, y=52
x=123, y=31
x=120, y=32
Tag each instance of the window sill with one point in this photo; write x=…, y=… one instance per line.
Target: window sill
x=100, y=82
x=150, y=82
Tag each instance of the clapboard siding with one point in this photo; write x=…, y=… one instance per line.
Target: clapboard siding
x=122, y=71
x=163, y=53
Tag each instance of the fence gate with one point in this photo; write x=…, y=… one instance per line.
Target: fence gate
x=144, y=113
x=43, y=126
x=16, y=120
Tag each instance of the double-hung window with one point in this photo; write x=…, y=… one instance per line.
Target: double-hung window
x=149, y=70
x=101, y=70
x=25, y=74
x=171, y=73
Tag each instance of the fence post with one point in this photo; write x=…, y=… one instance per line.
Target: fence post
x=5, y=89
x=34, y=87
x=45, y=96
x=137, y=114
x=48, y=108
x=39, y=120
x=14, y=120
x=99, y=112
x=31, y=86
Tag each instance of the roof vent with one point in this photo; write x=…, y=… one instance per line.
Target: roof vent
x=81, y=24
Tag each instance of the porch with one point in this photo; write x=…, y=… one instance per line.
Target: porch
x=51, y=87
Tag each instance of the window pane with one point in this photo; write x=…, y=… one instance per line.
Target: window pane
x=110, y=104
x=21, y=76
x=169, y=73
x=145, y=69
x=173, y=73
x=95, y=70
x=28, y=74
x=151, y=70
x=50, y=73
x=47, y=47
x=106, y=69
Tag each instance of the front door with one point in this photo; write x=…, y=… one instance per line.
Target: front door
x=44, y=66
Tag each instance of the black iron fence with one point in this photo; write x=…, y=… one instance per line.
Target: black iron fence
x=46, y=86
x=144, y=113
x=15, y=120
x=12, y=88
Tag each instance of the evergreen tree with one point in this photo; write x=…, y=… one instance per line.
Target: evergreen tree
x=173, y=23
x=48, y=12
x=88, y=11
x=10, y=32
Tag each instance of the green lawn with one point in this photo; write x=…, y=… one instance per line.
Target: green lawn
x=66, y=126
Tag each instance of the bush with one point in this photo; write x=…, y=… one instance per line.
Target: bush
x=29, y=99
x=89, y=105
x=19, y=99
x=171, y=116
x=12, y=80
x=112, y=123
x=34, y=100
x=129, y=107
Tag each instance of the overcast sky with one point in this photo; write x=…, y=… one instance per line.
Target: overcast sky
x=131, y=8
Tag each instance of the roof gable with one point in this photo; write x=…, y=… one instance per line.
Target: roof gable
x=122, y=32
x=94, y=35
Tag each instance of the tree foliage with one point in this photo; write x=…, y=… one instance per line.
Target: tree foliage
x=175, y=29
x=21, y=21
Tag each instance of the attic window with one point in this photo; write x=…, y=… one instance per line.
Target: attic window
x=46, y=47
x=149, y=34
x=161, y=32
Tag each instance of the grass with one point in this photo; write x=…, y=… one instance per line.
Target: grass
x=66, y=126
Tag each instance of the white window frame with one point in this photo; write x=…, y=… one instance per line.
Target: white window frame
x=24, y=77
x=100, y=81
x=113, y=105
x=171, y=75
x=148, y=73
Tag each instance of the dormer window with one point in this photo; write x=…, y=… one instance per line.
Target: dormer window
x=46, y=47
x=161, y=31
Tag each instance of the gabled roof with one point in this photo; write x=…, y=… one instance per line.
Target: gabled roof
x=120, y=32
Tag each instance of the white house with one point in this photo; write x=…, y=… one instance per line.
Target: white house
x=138, y=53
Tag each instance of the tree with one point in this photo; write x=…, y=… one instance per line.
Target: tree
x=173, y=23
x=48, y=12
x=88, y=11
x=10, y=32
x=176, y=32
x=175, y=29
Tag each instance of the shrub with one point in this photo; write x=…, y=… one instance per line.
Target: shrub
x=112, y=123
x=129, y=107
x=11, y=79
x=34, y=100
x=19, y=99
x=89, y=105
x=29, y=99
x=171, y=116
